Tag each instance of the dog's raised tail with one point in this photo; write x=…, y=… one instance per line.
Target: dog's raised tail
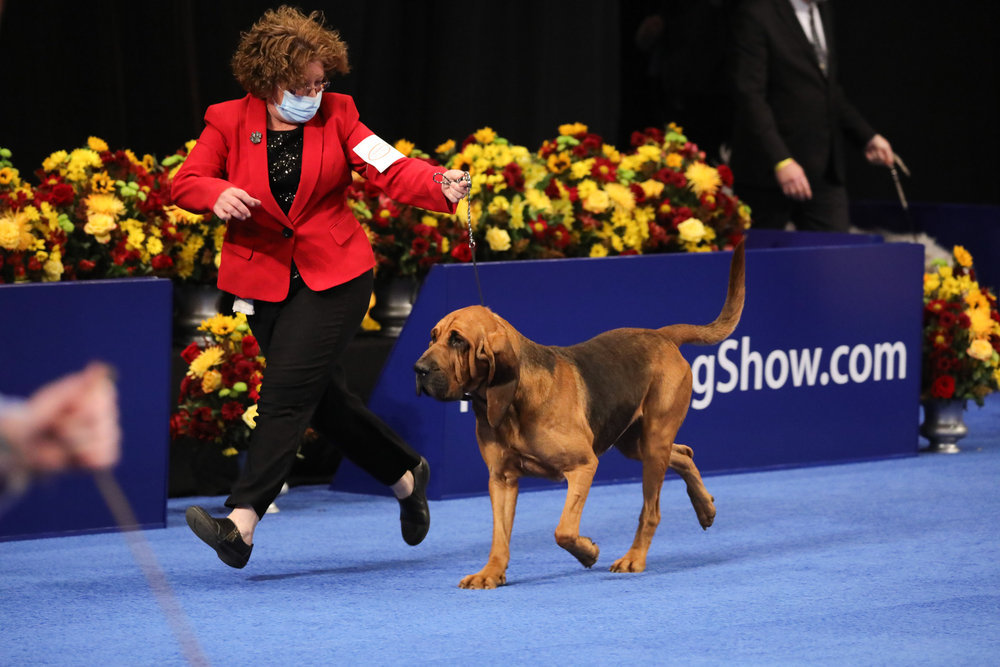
x=729, y=317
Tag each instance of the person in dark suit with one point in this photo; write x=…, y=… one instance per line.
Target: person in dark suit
x=276, y=165
x=792, y=117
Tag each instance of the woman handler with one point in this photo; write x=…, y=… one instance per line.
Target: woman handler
x=276, y=165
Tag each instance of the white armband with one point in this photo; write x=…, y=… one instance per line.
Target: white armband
x=377, y=153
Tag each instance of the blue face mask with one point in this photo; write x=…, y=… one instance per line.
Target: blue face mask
x=298, y=108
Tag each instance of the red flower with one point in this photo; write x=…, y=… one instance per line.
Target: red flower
x=85, y=266
x=726, y=174
x=191, y=352
x=161, y=262
x=250, y=346
x=604, y=170
x=514, y=176
x=461, y=252
x=936, y=306
x=943, y=387
x=232, y=411
x=420, y=246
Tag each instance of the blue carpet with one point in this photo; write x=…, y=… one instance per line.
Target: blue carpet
x=885, y=563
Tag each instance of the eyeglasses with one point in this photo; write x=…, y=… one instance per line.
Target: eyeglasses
x=315, y=88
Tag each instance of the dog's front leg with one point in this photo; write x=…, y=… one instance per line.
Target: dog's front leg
x=568, y=531
x=503, y=497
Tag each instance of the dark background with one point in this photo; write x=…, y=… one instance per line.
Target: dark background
x=140, y=74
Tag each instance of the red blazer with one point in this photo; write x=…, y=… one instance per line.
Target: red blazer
x=328, y=244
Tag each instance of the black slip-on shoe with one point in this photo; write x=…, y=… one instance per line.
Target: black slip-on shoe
x=220, y=534
x=414, y=514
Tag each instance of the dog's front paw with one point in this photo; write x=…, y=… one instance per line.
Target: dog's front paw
x=484, y=579
x=629, y=563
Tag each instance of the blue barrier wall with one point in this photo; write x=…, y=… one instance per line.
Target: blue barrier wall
x=824, y=366
x=47, y=330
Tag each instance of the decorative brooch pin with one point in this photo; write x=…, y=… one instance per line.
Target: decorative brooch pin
x=255, y=137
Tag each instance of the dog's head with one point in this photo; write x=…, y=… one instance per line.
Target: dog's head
x=471, y=353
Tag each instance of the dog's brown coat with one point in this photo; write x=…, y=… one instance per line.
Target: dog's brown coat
x=547, y=411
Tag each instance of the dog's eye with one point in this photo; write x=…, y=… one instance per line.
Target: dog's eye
x=456, y=340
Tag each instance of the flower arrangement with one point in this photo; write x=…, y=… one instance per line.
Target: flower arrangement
x=577, y=196
x=218, y=395
x=961, y=342
x=97, y=213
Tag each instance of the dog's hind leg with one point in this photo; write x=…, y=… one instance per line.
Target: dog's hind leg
x=568, y=531
x=682, y=462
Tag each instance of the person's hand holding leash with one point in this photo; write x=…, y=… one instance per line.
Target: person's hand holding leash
x=455, y=184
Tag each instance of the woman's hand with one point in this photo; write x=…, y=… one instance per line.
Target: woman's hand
x=234, y=203
x=454, y=186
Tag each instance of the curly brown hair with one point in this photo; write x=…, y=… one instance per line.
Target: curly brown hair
x=276, y=50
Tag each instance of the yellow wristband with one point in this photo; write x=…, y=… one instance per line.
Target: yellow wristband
x=781, y=164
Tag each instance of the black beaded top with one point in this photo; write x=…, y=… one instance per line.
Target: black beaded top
x=284, y=160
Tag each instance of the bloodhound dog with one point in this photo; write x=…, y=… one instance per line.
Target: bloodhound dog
x=546, y=411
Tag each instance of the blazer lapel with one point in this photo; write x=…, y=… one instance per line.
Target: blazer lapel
x=786, y=14
x=260, y=180
x=312, y=159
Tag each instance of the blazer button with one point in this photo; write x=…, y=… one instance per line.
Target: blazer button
x=287, y=232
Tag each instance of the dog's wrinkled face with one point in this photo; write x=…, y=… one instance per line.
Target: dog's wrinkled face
x=448, y=369
x=470, y=353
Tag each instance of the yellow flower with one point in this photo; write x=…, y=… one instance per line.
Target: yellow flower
x=101, y=182
x=250, y=416
x=611, y=153
x=586, y=188
x=210, y=381
x=189, y=145
x=80, y=160
x=621, y=195
x=54, y=161
x=104, y=203
x=931, y=283
x=446, y=147
x=571, y=129
x=597, y=202
x=691, y=230
x=205, y=361
x=652, y=188
x=559, y=162
x=95, y=144
x=485, y=135
x=980, y=349
x=598, y=250
x=962, y=256
x=538, y=200
x=674, y=160
x=405, y=147
x=703, y=178
x=13, y=233
x=582, y=168
x=500, y=204
x=498, y=239
x=981, y=324
x=179, y=216
x=100, y=226
x=220, y=325
x=429, y=221
x=154, y=246
x=230, y=451
x=53, y=268
x=8, y=175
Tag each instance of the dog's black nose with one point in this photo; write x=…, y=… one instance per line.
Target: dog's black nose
x=421, y=369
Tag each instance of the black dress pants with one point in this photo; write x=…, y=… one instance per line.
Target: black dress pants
x=303, y=339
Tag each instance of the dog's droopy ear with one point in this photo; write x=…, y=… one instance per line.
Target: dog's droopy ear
x=504, y=371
